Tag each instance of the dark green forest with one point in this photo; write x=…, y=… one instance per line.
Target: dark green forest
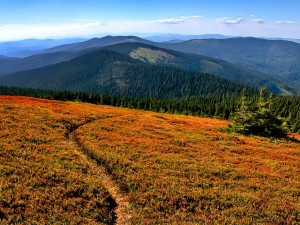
x=199, y=63
x=216, y=106
x=115, y=74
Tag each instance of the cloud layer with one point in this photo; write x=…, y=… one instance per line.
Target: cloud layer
x=226, y=20
x=182, y=19
x=195, y=24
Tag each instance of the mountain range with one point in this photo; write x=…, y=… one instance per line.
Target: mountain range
x=276, y=57
x=28, y=47
x=105, y=71
x=252, y=61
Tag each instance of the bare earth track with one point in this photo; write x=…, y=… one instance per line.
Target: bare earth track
x=123, y=212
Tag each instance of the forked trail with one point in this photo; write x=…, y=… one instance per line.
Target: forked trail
x=122, y=210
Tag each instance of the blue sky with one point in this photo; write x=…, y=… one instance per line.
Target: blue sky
x=20, y=19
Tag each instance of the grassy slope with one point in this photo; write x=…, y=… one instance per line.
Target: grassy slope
x=182, y=169
x=42, y=180
x=176, y=169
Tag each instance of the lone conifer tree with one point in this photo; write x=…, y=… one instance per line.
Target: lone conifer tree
x=243, y=118
x=261, y=122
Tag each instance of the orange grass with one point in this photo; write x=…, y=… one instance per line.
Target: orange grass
x=181, y=169
x=176, y=169
x=42, y=180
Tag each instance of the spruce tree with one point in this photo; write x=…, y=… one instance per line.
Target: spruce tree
x=262, y=122
x=243, y=120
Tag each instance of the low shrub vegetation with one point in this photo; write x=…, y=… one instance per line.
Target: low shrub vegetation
x=42, y=180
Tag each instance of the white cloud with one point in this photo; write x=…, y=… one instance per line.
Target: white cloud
x=169, y=21
x=226, y=20
x=182, y=19
x=97, y=23
x=181, y=25
x=258, y=20
x=22, y=31
x=197, y=16
x=285, y=22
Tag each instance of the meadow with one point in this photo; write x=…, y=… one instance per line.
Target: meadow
x=182, y=170
x=176, y=169
x=42, y=179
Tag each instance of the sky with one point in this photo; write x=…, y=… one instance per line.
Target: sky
x=23, y=19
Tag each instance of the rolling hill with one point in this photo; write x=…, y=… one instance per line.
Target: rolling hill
x=96, y=43
x=60, y=53
x=252, y=61
x=276, y=57
x=158, y=56
x=113, y=73
x=153, y=55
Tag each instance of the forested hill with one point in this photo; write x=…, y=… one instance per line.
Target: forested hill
x=96, y=43
x=159, y=56
x=113, y=73
x=277, y=57
x=146, y=51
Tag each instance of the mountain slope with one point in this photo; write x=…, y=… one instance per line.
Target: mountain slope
x=96, y=43
x=59, y=54
x=27, y=47
x=277, y=57
x=158, y=56
x=110, y=72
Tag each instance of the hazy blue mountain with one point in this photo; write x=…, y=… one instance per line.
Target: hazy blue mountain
x=179, y=37
x=96, y=43
x=113, y=73
x=276, y=57
x=29, y=47
x=153, y=55
x=285, y=39
x=60, y=54
x=11, y=65
x=274, y=64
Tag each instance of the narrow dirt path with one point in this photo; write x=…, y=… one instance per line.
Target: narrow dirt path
x=122, y=210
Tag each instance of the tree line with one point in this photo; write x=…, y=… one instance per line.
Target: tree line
x=215, y=106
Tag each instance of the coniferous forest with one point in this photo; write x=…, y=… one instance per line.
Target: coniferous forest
x=216, y=106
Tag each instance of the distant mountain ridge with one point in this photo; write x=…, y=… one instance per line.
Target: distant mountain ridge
x=61, y=53
x=158, y=56
x=96, y=42
x=256, y=62
x=110, y=72
x=28, y=47
x=277, y=57
x=153, y=55
x=180, y=38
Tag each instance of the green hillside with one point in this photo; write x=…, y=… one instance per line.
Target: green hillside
x=145, y=51
x=277, y=57
x=158, y=56
x=112, y=73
